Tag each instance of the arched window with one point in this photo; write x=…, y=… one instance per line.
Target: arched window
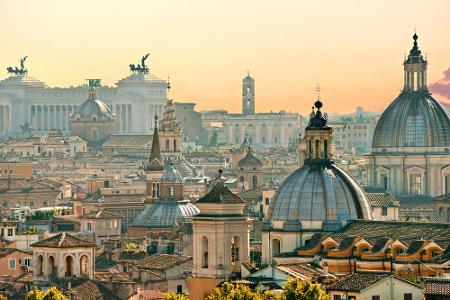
x=51, y=266
x=39, y=265
x=155, y=189
x=69, y=266
x=241, y=179
x=174, y=145
x=167, y=145
x=235, y=255
x=254, y=182
x=205, y=252
x=325, y=149
x=317, y=150
x=84, y=265
x=276, y=247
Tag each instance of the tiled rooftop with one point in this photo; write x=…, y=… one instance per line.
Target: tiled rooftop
x=64, y=240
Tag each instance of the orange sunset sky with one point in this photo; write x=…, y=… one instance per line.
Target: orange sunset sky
x=354, y=49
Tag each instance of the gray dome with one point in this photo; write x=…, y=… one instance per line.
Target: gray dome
x=413, y=119
x=165, y=213
x=94, y=107
x=319, y=192
x=171, y=174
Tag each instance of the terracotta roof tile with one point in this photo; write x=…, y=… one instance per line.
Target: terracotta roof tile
x=63, y=240
x=358, y=281
x=163, y=261
x=437, y=286
x=383, y=200
x=220, y=194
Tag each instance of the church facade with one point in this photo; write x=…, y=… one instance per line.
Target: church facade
x=135, y=100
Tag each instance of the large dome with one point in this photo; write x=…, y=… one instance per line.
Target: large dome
x=413, y=119
x=318, y=192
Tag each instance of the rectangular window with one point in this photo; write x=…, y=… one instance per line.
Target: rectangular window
x=12, y=263
x=415, y=184
x=10, y=232
x=376, y=297
x=337, y=297
x=407, y=296
x=89, y=227
x=179, y=289
x=267, y=201
x=384, y=211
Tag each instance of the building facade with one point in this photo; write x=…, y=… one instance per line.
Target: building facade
x=271, y=129
x=135, y=100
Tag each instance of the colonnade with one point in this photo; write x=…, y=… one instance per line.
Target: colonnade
x=46, y=117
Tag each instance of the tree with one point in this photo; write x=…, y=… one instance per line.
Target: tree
x=173, y=296
x=3, y=297
x=231, y=291
x=296, y=289
x=51, y=294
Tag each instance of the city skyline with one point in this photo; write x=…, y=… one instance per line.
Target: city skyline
x=207, y=48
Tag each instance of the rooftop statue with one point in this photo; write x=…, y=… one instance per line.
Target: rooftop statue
x=140, y=68
x=16, y=71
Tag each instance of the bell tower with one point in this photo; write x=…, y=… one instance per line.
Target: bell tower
x=415, y=68
x=220, y=240
x=248, y=95
x=154, y=167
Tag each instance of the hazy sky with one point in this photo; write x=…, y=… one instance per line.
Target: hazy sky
x=354, y=49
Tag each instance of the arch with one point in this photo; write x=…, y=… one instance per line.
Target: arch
x=397, y=250
x=52, y=266
x=84, y=260
x=68, y=266
x=276, y=247
x=205, y=258
x=235, y=253
x=241, y=179
x=235, y=248
x=39, y=265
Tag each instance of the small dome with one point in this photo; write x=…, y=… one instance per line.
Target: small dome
x=413, y=119
x=171, y=174
x=165, y=213
x=250, y=159
x=318, y=192
x=96, y=108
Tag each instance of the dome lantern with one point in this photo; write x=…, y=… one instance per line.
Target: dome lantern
x=415, y=69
